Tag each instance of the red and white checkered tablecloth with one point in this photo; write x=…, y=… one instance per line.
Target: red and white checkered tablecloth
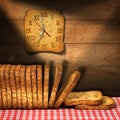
x=62, y=114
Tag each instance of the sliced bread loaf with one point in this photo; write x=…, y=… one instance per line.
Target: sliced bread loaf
x=107, y=103
x=86, y=97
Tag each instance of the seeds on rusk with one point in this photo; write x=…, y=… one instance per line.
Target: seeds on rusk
x=8, y=86
x=34, y=86
x=23, y=86
x=67, y=88
x=3, y=86
x=13, y=86
x=93, y=97
x=46, y=86
x=18, y=86
x=107, y=103
x=56, y=81
x=39, y=86
x=0, y=92
x=29, y=86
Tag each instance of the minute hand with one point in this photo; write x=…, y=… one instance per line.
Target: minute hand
x=43, y=29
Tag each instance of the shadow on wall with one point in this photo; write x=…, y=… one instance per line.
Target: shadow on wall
x=12, y=43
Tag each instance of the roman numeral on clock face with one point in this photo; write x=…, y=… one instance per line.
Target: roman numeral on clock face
x=28, y=30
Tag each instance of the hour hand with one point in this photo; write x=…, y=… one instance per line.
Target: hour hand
x=41, y=35
x=41, y=19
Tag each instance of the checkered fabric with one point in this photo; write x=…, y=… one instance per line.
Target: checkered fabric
x=62, y=114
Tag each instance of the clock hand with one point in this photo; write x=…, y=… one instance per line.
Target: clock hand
x=42, y=28
x=41, y=19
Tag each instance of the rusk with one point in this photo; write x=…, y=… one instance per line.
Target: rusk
x=67, y=88
x=107, y=103
x=18, y=86
x=39, y=86
x=29, y=86
x=34, y=86
x=13, y=86
x=46, y=86
x=3, y=86
x=23, y=86
x=8, y=86
x=87, y=97
x=56, y=81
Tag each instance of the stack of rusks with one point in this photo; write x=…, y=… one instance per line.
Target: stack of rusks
x=27, y=87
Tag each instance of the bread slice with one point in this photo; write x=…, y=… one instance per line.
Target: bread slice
x=29, y=86
x=39, y=86
x=67, y=88
x=18, y=86
x=86, y=97
x=34, y=86
x=107, y=103
x=3, y=86
x=0, y=91
x=46, y=86
x=8, y=86
x=56, y=81
x=13, y=86
x=23, y=86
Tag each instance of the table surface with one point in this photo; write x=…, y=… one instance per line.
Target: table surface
x=63, y=114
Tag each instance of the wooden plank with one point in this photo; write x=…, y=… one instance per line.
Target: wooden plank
x=16, y=54
x=92, y=10
x=94, y=78
x=77, y=54
x=92, y=32
x=75, y=32
x=93, y=54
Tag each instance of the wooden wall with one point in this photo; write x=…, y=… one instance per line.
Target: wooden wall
x=92, y=40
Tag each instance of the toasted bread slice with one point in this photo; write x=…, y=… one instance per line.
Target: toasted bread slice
x=56, y=81
x=29, y=86
x=13, y=86
x=0, y=92
x=3, y=86
x=39, y=86
x=23, y=86
x=46, y=86
x=18, y=86
x=8, y=86
x=86, y=97
x=107, y=103
x=34, y=86
x=67, y=88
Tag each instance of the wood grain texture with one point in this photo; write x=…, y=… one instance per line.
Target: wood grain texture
x=76, y=31
x=100, y=78
x=102, y=10
x=93, y=54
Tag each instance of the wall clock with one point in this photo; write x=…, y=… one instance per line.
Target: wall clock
x=44, y=30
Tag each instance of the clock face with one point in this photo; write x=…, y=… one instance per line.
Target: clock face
x=44, y=30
